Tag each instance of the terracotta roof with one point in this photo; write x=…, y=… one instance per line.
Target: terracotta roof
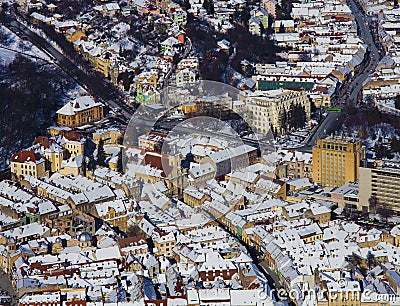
x=131, y=241
x=43, y=141
x=25, y=156
x=71, y=135
x=158, y=161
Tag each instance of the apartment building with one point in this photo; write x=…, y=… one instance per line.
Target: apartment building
x=336, y=160
x=382, y=181
x=265, y=106
x=109, y=136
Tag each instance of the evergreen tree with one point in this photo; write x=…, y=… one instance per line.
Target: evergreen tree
x=83, y=165
x=384, y=210
x=120, y=167
x=262, y=29
x=101, y=155
x=373, y=134
x=187, y=5
x=397, y=102
x=297, y=116
x=370, y=260
x=373, y=203
x=206, y=5
x=91, y=164
x=281, y=28
x=283, y=120
x=395, y=144
x=291, y=116
x=245, y=16
x=211, y=9
x=304, y=115
x=381, y=151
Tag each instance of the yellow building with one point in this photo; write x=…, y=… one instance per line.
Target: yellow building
x=336, y=160
x=74, y=35
x=27, y=163
x=70, y=141
x=55, y=157
x=52, y=152
x=147, y=77
x=72, y=166
x=348, y=294
x=188, y=108
x=57, y=130
x=165, y=244
x=80, y=111
x=194, y=198
x=102, y=64
x=320, y=214
x=113, y=163
x=109, y=136
x=115, y=212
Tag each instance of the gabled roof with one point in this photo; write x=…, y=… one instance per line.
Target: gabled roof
x=78, y=105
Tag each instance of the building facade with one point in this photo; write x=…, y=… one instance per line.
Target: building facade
x=383, y=183
x=27, y=163
x=265, y=107
x=336, y=160
x=80, y=111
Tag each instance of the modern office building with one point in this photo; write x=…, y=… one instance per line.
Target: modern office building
x=336, y=160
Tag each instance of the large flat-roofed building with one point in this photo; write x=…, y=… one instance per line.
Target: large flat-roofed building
x=336, y=160
x=265, y=107
x=80, y=111
x=383, y=182
x=230, y=159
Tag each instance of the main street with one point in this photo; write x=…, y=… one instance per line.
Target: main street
x=349, y=96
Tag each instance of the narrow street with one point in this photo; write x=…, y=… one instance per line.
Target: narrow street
x=5, y=285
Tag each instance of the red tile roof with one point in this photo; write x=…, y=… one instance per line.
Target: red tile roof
x=131, y=241
x=43, y=141
x=158, y=161
x=71, y=135
x=25, y=156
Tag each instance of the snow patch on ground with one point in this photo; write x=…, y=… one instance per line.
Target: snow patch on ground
x=25, y=47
